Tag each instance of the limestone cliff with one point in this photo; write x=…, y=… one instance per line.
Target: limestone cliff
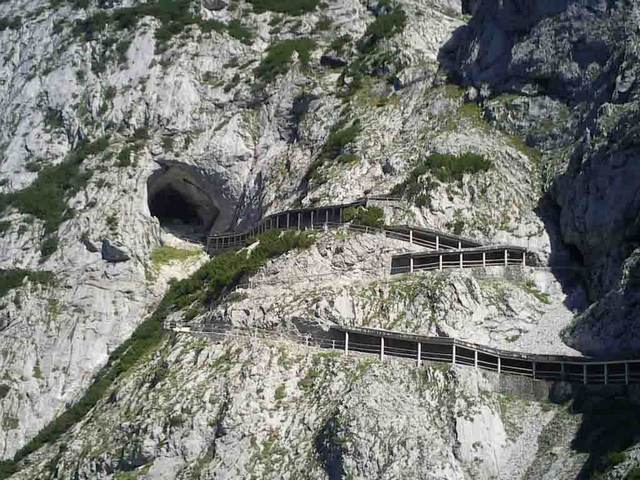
x=129, y=130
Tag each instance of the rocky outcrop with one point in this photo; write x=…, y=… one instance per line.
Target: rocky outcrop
x=574, y=65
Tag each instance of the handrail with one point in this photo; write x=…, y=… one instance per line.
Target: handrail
x=576, y=369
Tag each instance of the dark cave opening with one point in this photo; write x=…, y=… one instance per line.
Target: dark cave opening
x=170, y=207
x=183, y=200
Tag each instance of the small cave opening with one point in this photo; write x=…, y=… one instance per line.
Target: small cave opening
x=182, y=199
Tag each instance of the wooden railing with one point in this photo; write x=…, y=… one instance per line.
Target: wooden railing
x=470, y=253
x=419, y=349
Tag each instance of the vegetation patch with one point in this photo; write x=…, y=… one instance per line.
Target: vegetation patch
x=367, y=216
x=10, y=23
x=206, y=285
x=287, y=7
x=46, y=198
x=10, y=279
x=384, y=26
x=443, y=167
x=166, y=254
x=530, y=287
x=174, y=17
x=278, y=59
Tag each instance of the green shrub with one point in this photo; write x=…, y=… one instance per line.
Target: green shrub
x=384, y=26
x=633, y=474
x=10, y=279
x=278, y=59
x=367, y=216
x=339, y=137
x=614, y=458
x=124, y=157
x=46, y=198
x=288, y=7
x=10, y=23
x=48, y=246
x=207, y=284
x=445, y=168
x=238, y=31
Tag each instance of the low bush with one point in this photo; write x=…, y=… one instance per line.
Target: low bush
x=46, y=198
x=207, y=284
x=384, y=26
x=366, y=216
x=288, y=7
x=10, y=279
x=278, y=59
x=633, y=474
x=339, y=137
x=445, y=168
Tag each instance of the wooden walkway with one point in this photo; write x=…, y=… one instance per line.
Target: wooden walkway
x=444, y=250
x=420, y=349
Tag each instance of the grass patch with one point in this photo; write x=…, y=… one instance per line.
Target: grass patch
x=278, y=59
x=367, y=216
x=10, y=279
x=530, y=287
x=206, y=285
x=287, y=7
x=166, y=254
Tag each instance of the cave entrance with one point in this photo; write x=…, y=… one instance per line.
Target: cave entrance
x=170, y=207
x=181, y=198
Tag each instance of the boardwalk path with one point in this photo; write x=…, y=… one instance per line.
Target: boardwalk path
x=443, y=250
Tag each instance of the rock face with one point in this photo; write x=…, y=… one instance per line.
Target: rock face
x=141, y=129
x=575, y=62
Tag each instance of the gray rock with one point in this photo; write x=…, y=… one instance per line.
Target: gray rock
x=214, y=4
x=113, y=254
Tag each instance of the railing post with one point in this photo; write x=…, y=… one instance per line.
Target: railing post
x=461, y=265
x=475, y=359
x=333, y=344
x=626, y=374
x=277, y=221
x=606, y=373
x=326, y=217
x=299, y=220
x=339, y=215
x=453, y=354
x=584, y=373
x=419, y=354
x=506, y=257
x=410, y=236
x=311, y=218
x=524, y=258
x=484, y=259
x=346, y=343
x=499, y=365
x=459, y=245
x=533, y=369
x=437, y=242
x=288, y=220
x=562, y=374
x=410, y=264
x=440, y=262
x=382, y=349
